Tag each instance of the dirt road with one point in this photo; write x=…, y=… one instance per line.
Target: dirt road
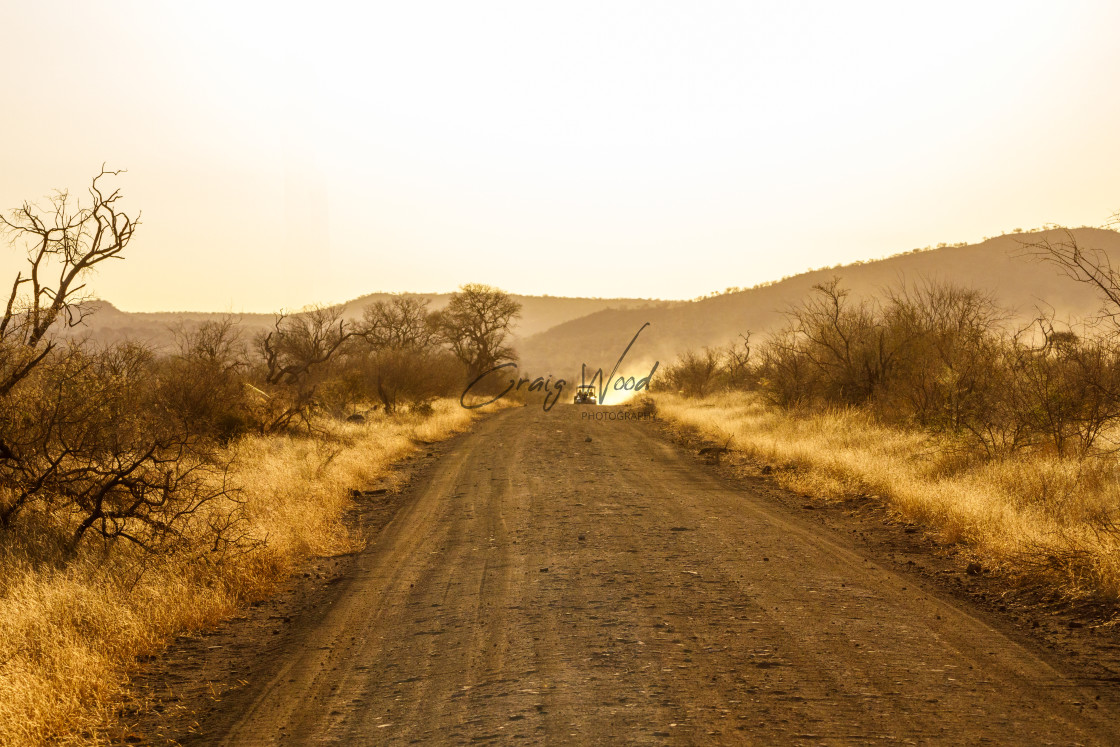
x=550, y=579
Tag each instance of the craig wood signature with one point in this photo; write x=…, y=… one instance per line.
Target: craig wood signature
x=553, y=390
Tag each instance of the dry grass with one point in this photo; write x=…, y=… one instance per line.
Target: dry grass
x=1040, y=518
x=70, y=632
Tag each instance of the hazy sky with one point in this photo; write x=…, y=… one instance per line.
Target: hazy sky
x=290, y=153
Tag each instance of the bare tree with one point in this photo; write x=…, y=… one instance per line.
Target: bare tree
x=738, y=366
x=402, y=360
x=63, y=242
x=477, y=324
x=852, y=352
x=84, y=433
x=1084, y=264
x=300, y=343
x=1076, y=378
x=296, y=355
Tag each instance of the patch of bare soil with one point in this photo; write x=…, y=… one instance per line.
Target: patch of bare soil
x=547, y=578
x=1087, y=632
x=174, y=693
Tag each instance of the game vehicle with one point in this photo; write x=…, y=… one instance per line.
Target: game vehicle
x=585, y=395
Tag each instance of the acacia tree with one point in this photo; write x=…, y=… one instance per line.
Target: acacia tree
x=402, y=323
x=477, y=324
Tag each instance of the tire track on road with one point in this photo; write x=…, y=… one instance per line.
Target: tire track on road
x=557, y=580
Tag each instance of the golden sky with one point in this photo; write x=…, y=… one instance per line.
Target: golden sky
x=290, y=153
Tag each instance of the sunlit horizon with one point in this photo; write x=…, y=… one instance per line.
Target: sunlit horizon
x=291, y=306
x=284, y=156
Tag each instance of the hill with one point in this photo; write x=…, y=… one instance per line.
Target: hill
x=998, y=265
x=555, y=335
x=538, y=313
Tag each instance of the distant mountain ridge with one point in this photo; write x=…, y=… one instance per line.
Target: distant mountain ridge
x=998, y=265
x=538, y=313
x=556, y=334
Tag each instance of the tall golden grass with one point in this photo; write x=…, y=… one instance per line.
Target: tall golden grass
x=71, y=631
x=1041, y=519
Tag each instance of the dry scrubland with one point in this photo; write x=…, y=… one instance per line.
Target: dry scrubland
x=1000, y=435
x=1042, y=519
x=146, y=492
x=70, y=631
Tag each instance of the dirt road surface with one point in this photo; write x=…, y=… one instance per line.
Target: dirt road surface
x=550, y=579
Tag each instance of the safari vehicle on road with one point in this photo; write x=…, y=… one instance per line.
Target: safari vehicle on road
x=585, y=395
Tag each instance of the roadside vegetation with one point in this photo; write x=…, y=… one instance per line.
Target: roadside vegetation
x=1001, y=438
x=145, y=493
